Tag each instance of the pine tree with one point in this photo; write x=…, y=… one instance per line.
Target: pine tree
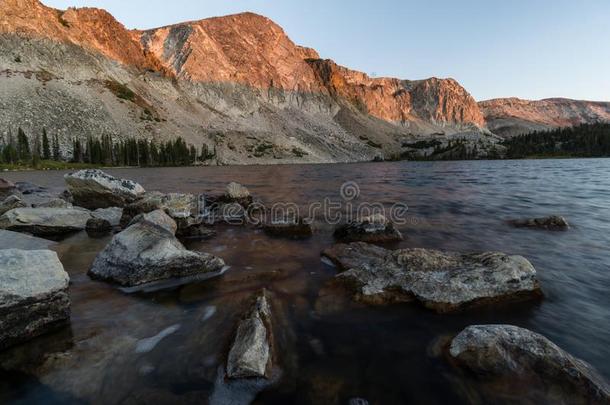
x=56, y=150
x=23, y=146
x=46, y=150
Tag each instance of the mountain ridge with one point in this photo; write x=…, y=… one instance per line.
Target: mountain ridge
x=513, y=116
x=236, y=83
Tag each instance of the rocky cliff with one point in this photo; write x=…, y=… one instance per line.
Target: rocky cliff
x=512, y=116
x=236, y=83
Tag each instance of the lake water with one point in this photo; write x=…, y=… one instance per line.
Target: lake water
x=170, y=346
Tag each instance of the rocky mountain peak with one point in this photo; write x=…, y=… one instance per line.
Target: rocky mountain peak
x=514, y=116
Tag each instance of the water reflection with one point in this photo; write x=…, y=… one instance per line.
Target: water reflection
x=328, y=356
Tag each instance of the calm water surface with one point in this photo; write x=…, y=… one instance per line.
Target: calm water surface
x=383, y=354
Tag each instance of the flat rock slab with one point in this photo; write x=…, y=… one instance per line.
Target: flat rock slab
x=33, y=294
x=506, y=356
x=250, y=354
x=45, y=221
x=93, y=189
x=17, y=240
x=147, y=252
x=442, y=281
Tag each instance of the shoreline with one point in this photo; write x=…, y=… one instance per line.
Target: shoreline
x=81, y=166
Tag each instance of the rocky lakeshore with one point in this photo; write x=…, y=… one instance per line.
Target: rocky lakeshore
x=244, y=319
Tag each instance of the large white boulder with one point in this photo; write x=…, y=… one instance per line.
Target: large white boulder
x=95, y=189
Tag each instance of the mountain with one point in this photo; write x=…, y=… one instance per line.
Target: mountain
x=508, y=117
x=237, y=84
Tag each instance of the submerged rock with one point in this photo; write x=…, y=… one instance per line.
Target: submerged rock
x=196, y=232
x=552, y=223
x=372, y=229
x=443, y=281
x=33, y=295
x=289, y=229
x=10, y=203
x=94, y=189
x=250, y=354
x=45, y=221
x=148, y=251
x=508, y=355
x=98, y=227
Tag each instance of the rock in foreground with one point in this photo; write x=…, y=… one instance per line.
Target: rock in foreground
x=513, y=355
x=45, y=222
x=146, y=252
x=33, y=295
x=551, y=223
x=443, y=281
x=93, y=189
x=371, y=229
x=250, y=354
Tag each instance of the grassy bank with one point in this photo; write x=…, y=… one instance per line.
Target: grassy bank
x=46, y=165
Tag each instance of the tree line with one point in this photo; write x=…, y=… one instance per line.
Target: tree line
x=103, y=151
x=586, y=140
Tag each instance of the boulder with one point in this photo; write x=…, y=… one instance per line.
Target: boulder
x=180, y=207
x=16, y=240
x=45, y=221
x=6, y=188
x=159, y=218
x=373, y=229
x=250, y=353
x=147, y=251
x=112, y=215
x=552, y=223
x=98, y=227
x=93, y=189
x=442, y=281
x=296, y=229
x=33, y=295
x=236, y=192
x=507, y=356
x=11, y=202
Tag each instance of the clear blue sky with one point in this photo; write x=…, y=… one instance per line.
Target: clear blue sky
x=523, y=48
